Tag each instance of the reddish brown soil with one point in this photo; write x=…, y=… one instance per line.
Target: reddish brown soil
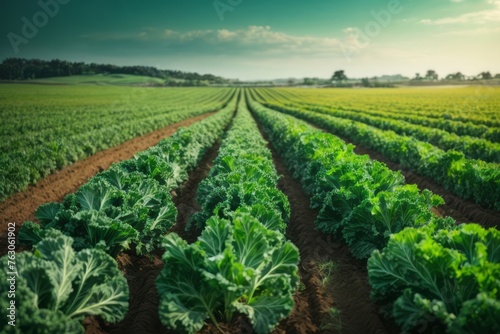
x=185, y=198
x=21, y=206
x=346, y=289
x=463, y=211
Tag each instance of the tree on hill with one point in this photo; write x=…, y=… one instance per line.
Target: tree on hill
x=455, y=76
x=485, y=76
x=312, y=81
x=339, y=76
x=431, y=75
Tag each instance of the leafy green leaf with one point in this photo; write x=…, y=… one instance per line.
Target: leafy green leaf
x=56, y=287
x=47, y=213
x=438, y=274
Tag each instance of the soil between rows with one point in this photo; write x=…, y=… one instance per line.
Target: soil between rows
x=344, y=289
x=21, y=206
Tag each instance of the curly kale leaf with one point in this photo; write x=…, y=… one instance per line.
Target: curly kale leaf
x=57, y=287
x=235, y=266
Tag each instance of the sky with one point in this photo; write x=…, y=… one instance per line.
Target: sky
x=260, y=39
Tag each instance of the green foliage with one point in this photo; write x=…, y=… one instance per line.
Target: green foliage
x=131, y=203
x=433, y=276
x=471, y=146
x=236, y=266
x=241, y=263
x=444, y=109
x=454, y=166
x=360, y=201
x=57, y=287
x=244, y=178
x=40, y=133
x=442, y=278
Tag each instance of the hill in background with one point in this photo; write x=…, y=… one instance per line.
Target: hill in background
x=66, y=72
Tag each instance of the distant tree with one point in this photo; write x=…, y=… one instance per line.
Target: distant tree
x=365, y=82
x=314, y=81
x=308, y=81
x=497, y=76
x=485, y=76
x=339, y=76
x=417, y=77
x=455, y=76
x=431, y=75
x=291, y=82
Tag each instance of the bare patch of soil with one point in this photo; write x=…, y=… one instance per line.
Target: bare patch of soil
x=185, y=198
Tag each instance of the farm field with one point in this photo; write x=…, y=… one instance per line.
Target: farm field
x=258, y=216
x=460, y=156
x=45, y=128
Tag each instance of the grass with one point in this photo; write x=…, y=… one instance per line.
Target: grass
x=326, y=270
x=332, y=322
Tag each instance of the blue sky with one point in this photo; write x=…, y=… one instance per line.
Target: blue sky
x=257, y=39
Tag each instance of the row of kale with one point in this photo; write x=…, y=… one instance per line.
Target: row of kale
x=241, y=263
x=466, y=178
x=471, y=147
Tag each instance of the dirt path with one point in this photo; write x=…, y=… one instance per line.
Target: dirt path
x=185, y=198
x=345, y=288
x=21, y=206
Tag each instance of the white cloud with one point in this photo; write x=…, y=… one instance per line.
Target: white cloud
x=226, y=34
x=262, y=38
x=264, y=35
x=479, y=17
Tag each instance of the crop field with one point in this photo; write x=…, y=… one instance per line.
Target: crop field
x=250, y=210
x=452, y=136
x=45, y=128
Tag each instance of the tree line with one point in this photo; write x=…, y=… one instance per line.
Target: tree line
x=432, y=75
x=24, y=69
x=340, y=79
